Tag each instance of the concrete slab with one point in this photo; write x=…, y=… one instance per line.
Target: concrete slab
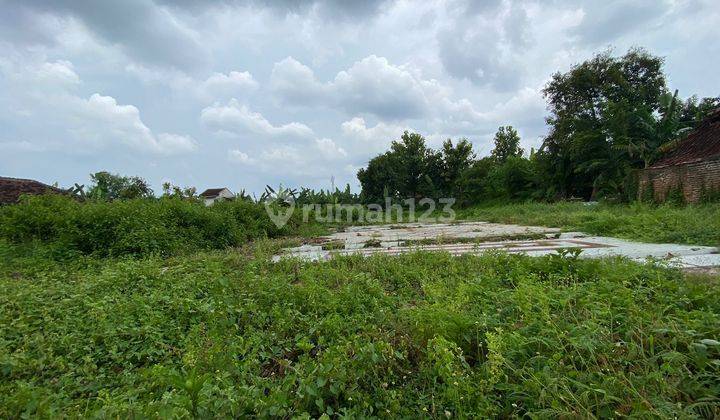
x=479, y=237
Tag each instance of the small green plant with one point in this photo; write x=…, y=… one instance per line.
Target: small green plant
x=334, y=245
x=675, y=196
x=710, y=195
x=372, y=243
x=231, y=334
x=647, y=194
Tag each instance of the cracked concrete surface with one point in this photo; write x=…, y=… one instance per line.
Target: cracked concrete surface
x=478, y=237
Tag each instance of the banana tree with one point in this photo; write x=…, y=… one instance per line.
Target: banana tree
x=283, y=196
x=651, y=134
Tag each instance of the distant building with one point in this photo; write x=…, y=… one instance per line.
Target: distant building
x=692, y=167
x=212, y=195
x=12, y=188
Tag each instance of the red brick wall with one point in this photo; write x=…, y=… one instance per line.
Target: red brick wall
x=692, y=178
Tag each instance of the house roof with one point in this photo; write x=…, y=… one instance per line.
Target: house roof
x=212, y=192
x=12, y=188
x=701, y=144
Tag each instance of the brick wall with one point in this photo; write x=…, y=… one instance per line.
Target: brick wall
x=691, y=178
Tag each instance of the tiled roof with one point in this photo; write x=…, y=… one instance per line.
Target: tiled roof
x=703, y=143
x=212, y=192
x=12, y=188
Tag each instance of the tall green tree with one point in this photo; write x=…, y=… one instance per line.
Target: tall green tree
x=594, y=111
x=456, y=159
x=413, y=159
x=410, y=169
x=507, y=144
x=107, y=186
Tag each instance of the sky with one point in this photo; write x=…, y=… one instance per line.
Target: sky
x=241, y=94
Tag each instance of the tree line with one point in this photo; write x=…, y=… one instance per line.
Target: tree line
x=609, y=117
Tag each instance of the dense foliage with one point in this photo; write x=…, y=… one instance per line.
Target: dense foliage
x=412, y=170
x=107, y=186
x=609, y=117
x=231, y=334
x=165, y=226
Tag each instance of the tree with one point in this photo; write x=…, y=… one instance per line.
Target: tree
x=474, y=181
x=507, y=144
x=599, y=113
x=379, y=178
x=409, y=170
x=412, y=158
x=170, y=190
x=695, y=110
x=107, y=186
x=455, y=160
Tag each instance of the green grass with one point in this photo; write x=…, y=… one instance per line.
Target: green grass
x=230, y=334
x=697, y=225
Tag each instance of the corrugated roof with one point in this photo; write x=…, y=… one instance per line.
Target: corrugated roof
x=12, y=188
x=703, y=143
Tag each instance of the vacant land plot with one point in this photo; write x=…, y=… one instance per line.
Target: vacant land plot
x=149, y=323
x=230, y=333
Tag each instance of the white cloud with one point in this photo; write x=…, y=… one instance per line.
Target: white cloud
x=61, y=72
x=371, y=85
x=221, y=85
x=370, y=140
x=240, y=157
x=295, y=83
x=319, y=157
x=44, y=93
x=239, y=119
x=374, y=85
x=216, y=86
x=443, y=68
x=35, y=73
x=329, y=149
x=102, y=120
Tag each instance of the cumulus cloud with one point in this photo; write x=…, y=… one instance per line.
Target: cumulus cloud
x=373, y=139
x=329, y=149
x=219, y=84
x=322, y=156
x=45, y=92
x=101, y=120
x=238, y=156
x=295, y=83
x=144, y=30
x=375, y=86
x=61, y=72
x=362, y=73
x=236, y=118
x=38, y=74
x=216, y=86
x=372, y=86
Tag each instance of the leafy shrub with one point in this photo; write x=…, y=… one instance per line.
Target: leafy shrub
x=420, y=335
x=136, y=227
